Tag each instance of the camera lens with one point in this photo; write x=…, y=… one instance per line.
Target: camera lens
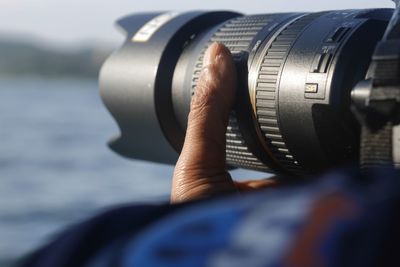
x=295, y=73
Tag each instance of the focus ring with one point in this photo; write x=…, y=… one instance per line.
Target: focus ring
x=267, y=88
x=237, y=35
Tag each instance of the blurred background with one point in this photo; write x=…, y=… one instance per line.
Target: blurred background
x=55, y=168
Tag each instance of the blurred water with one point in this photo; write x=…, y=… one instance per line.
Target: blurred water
x=55, y=168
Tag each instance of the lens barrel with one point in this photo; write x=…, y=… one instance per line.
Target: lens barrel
x=295, y=75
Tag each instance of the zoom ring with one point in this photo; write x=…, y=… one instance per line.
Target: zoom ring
x=237, y=35
x=267, y=87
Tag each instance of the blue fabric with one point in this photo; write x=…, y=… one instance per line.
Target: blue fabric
x=342, y=219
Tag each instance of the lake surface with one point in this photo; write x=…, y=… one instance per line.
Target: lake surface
x=55, y=167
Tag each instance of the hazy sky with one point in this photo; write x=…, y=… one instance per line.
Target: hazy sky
x=81, y=21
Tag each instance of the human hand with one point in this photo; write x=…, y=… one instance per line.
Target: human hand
x=201, y=168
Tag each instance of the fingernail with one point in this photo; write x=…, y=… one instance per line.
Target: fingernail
x=211, y=54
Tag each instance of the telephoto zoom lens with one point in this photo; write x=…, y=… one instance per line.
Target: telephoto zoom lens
x=295, y=74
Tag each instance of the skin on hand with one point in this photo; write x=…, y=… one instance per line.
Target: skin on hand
x=201, y=168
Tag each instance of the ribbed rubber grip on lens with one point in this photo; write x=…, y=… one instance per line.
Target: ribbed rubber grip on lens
x=376, y=147
x=267, y=88
x=237, y=34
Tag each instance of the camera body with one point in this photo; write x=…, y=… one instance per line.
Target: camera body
x=296, y=73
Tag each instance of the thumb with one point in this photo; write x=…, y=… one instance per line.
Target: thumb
x=201, y=168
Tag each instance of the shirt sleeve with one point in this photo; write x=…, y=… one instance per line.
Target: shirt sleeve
x=344, y=218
